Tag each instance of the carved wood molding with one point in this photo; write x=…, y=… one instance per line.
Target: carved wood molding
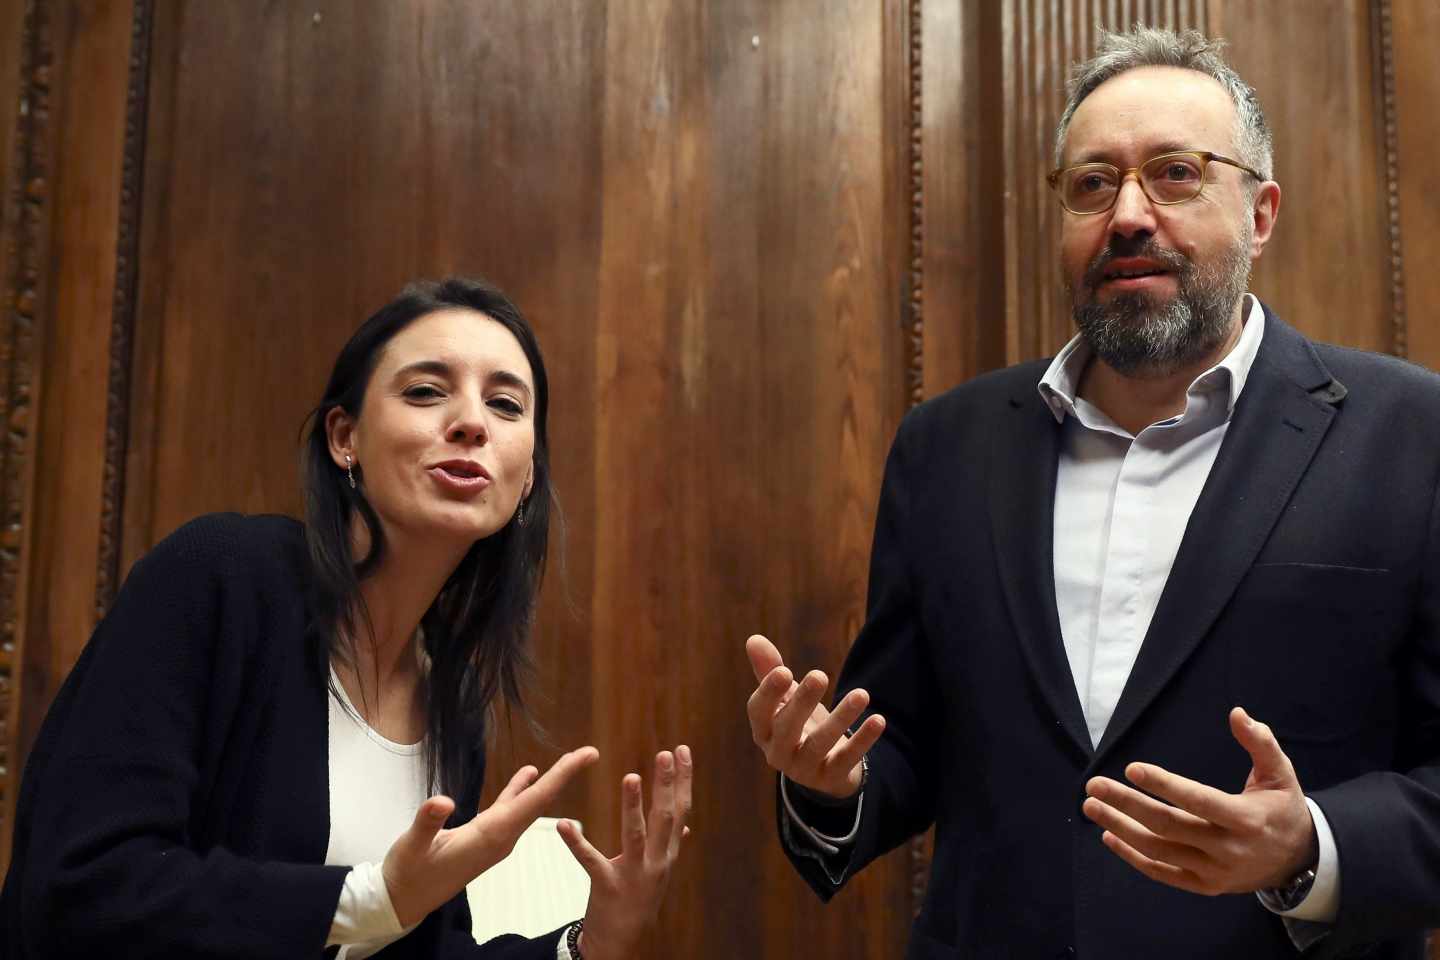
x=21, y=322
x=122, y=324
x=916, y=274
x=1399, y=342
x=915, y=308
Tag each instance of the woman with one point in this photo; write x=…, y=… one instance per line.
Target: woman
x=242, y=761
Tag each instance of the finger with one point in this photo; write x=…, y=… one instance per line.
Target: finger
x=660, y=827
x=522, y=779
x=429, y=820
x=847, y=755
x=1165, y=873
x=765, y=702
x=764, y=656
x=1272, y=766
x=684, y=786
x=818, y=743
x=1144, y=841
x=1159, y=818
x=592, y=861
x=632, y=819
x=790, y=721
x=1207, y=803
x=529, y=803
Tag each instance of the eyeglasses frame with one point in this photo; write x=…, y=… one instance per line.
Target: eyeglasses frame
x=1205, y=157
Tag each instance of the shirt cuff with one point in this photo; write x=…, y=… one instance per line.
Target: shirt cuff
x=1312, y=919
x=562, y=948
x=364, y=911
x=829, y=844
x=1322, y=903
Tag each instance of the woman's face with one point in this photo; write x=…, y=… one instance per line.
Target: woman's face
x=446, y=435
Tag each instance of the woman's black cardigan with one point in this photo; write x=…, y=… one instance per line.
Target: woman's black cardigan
x=176, y=802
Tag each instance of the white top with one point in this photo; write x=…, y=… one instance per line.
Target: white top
x=376, y=787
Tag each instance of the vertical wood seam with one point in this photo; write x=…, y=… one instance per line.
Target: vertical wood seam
x=1399, y=344
x=919, y=853
x=122, y=324
x=917, y=210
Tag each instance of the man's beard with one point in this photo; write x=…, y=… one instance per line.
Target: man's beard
x=1138, y=336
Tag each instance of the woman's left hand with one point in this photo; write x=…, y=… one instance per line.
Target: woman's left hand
x=626, y=891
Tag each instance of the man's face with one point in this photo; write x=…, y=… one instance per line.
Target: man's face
x=1156, y=288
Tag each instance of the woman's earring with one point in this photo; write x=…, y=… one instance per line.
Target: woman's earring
x=520, y=513
x=350, y=470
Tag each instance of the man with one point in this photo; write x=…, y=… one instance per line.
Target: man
x=1094, y=578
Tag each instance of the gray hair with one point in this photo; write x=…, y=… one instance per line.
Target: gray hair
x=1150, y=47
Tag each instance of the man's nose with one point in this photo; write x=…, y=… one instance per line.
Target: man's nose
x=1133, y=212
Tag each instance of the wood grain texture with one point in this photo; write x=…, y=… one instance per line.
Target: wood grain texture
x=747, y=313
x=963, y=193
x=1327, y=267
x=1415, y=27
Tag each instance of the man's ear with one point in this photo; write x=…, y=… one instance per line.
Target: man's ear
x=1264, y=212
x=340, y=432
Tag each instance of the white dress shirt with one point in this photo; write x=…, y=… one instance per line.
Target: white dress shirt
x=1109, y=575
x=1122, y=503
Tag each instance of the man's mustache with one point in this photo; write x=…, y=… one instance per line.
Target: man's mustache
x=1121, y=248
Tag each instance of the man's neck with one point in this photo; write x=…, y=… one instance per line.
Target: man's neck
x=1135, y=402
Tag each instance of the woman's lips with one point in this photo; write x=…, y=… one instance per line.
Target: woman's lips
x=454, y=480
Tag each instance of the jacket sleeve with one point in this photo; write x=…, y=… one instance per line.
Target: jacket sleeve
x=1387, y=823
x=890, y=660
x=106, y=865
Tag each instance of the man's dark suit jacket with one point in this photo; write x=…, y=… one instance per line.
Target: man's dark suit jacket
x=1305, y=590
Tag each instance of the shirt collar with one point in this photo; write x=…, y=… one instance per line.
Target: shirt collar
x=1059, y=385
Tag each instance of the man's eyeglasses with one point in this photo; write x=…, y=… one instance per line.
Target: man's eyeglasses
x=1169, y=178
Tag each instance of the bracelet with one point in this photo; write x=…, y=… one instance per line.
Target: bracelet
x=572, y=940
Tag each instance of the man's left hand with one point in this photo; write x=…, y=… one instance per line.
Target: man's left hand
x=1204, y=840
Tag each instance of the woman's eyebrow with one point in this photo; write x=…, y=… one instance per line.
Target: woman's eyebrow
x=507, y=379
x=437, y=367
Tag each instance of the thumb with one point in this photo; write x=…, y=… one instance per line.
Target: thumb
x=592, y=860
x=1272, y=766
x=764, y=656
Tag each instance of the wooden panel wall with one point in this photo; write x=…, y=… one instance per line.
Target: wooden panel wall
x=750, y=234
x=69, y=157
x=691, y=202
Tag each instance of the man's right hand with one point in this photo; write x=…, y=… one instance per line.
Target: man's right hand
x=799, y=737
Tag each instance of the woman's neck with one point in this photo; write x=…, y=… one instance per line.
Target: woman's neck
x=396, y=595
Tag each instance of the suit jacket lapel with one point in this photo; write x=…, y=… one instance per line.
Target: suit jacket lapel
x=1024, y=457
x=1281, y=417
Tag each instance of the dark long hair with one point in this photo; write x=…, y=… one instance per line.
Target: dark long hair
x=477, y=629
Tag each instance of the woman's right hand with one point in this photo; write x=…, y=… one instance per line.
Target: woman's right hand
x=428, y=865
